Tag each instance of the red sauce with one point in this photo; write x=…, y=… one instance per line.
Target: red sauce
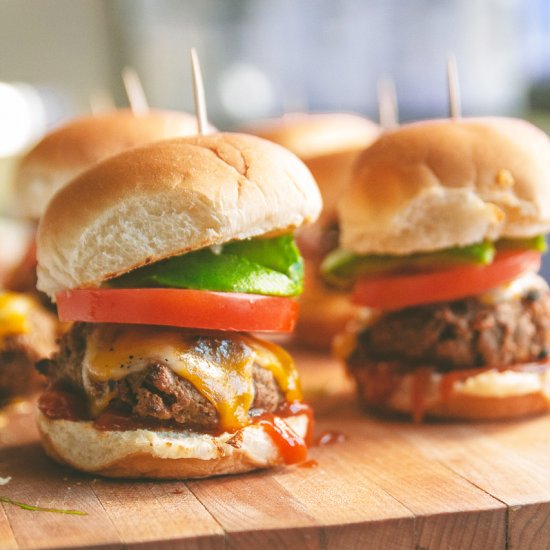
x=309, y=464
x=296, y=409
x=121, y=420
x=55, y=403
x=446, y=385
x=421, y=380
x=330, y=438
x=117, y=420
x=292, y=447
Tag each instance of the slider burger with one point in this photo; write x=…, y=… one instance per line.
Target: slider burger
x=72, y=148
x=166, y=257
x=328, y=143
x=27, y=334
x=442, y=231
x=27, y=330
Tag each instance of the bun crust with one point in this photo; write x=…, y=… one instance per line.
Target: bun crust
x=160, y=455
x=311, y=135
x=333, y=173
x=443, y=183
x=491, y=395
x=328, y=143
x=169, y=198
x=66, y=152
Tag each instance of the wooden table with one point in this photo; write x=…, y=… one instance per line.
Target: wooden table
x=389, y=485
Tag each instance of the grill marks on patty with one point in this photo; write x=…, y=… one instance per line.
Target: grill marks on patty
x=462, y=334
x=156, y=391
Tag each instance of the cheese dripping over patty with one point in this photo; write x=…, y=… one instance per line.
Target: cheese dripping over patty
x=219, y=365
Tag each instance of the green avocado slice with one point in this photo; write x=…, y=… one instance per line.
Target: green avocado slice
x=255, y=266
x=537, y=243
x=341, y=268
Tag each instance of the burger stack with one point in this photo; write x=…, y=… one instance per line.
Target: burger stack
x=442, y=230
x=166, y=258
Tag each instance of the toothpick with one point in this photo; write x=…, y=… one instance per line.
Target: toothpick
x=454, y=87
x=134, y=91
x=198, y=92
x=101, y=101
x=387, y=104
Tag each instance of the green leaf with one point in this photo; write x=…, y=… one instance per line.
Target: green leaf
x=259, y=266
x=32, y=508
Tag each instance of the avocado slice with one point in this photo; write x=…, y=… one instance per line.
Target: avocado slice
x=537, y=243
x=341, y=267
x=255, y=266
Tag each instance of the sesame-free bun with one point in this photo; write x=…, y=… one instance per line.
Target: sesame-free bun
x=314, y=134
x=70, y=149
x=166, y=199
x=442, y=183
x=328, y=143
x=145, y=453
x=489, y=395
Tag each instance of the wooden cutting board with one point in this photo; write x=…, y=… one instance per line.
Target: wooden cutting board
x=389, y=485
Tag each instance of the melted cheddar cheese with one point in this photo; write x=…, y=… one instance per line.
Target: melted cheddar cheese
x=220, y=366
x=14, y=313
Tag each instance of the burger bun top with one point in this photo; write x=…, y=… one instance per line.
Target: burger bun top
x=169, y=198
x=443, y=183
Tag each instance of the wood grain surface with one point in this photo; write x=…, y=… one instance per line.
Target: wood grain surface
x=390, y=485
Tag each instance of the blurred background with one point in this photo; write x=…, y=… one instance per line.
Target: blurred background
x=262, y=58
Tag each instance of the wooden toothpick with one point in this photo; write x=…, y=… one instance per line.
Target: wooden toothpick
x=134, y=91
x=387, y=104
x=455, y=110
x=198, y=92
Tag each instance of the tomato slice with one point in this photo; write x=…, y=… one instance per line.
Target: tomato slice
x=179, y=308
x=404, y=290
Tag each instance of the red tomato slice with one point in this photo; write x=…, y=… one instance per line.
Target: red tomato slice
x=404, y=290
x=179, y=308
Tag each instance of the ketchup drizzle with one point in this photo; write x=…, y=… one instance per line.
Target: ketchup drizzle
x=58, y=403
x=292, y=447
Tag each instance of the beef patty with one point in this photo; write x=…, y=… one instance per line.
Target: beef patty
x=19, y=352
x=156, y=391
x=462, y=334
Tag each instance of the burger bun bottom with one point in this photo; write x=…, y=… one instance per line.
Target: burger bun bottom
x=489, y=395
x=144, y=453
